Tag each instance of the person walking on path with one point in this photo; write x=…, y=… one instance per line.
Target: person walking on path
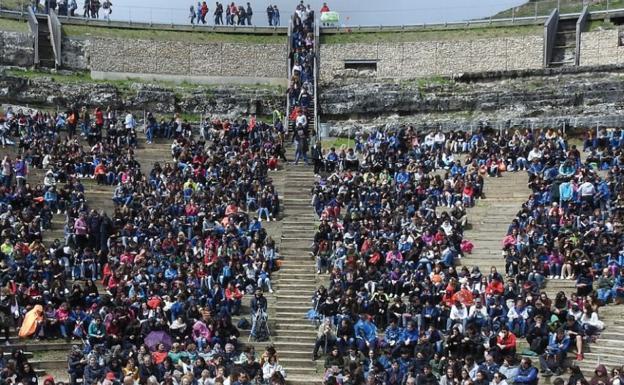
x=218, y=14
x=249, y=13
x=192, y=14
x=204, y=12
x=276, y=16
x=270, y=14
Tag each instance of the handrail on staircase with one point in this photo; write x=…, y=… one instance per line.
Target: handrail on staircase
x=286, y=122
x=33, y=25
x=550, y=35
x=581, y=25
x=315, y=74
x=54, y=26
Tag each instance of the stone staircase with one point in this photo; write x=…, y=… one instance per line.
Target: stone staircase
x=564, y=51
x=490, y=218
x=148, y=154
x=296, y=281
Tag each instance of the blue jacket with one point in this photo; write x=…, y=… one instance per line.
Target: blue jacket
x=553, y=344
x=565, y=191
x=526, y=376
x=365, y=330
x=393, y=334
x=411, y=335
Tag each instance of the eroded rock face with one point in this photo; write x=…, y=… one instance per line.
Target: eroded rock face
x=577, y=100
x=223, y=100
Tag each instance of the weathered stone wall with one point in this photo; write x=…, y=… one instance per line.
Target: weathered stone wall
x=16, y=48
x=601, y=47
x=572, y=100
x=426, y=58
x=225, y=100
x=183, y=58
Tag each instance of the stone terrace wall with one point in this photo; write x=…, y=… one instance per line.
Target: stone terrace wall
x=426, y=58
x=16, y=48
x=601, y=47
x=183, y=58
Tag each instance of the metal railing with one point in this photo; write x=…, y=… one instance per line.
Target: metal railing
x=550, y=35
x=581, y=25
x=33, y=25
x=144, y=17
x=286, y=119
x=54, y=25
x=315, y=74
x=409, y=13
x=532, y=12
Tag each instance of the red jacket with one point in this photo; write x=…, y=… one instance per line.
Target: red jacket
x=509, y=342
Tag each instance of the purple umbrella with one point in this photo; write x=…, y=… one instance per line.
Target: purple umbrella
x=159, y=337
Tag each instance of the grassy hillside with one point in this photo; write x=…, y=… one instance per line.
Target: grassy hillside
x=544, y=7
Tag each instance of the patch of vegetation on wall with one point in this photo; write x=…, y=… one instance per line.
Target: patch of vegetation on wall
x=166, y=35
x=468, y=33
x=13, y=25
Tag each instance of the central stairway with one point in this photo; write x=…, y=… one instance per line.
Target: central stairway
x=296, y=280
x=490, y=217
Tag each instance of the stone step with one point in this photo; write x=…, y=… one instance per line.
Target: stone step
x=601, y=347
x=296, y=288
x=299, y=325
x=296, y=266
x=49, y=364
x=605, y=359
x=301, y=371
x=301, y=229
x=293, y=245
x=562, y=283
x=307, y=277
x=298, y=379
x=289, y=363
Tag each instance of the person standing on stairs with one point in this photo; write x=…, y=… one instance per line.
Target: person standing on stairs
x=258, y=307
x=317, y=157
x=300, y=139
x=325, y=337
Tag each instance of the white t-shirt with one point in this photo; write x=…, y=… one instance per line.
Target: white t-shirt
x=587, y=189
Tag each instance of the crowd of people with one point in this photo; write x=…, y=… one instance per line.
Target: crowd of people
x=148, y=293
x=569, y=228
x=301, y=84
x=234, y=14
x=397, y=310
x=90, y=8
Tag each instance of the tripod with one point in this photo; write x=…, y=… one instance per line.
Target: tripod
x=260, y=327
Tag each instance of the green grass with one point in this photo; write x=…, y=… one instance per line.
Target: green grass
x=600, y=24
x=541, y=7
x=14, y=5
x=13, y=25
x=338, y=142
x=467, y=33
x=166, y=35
x=85, y=77
x=73, y=78
x=188, y=116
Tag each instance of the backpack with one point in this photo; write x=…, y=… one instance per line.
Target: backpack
x=243, y=324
